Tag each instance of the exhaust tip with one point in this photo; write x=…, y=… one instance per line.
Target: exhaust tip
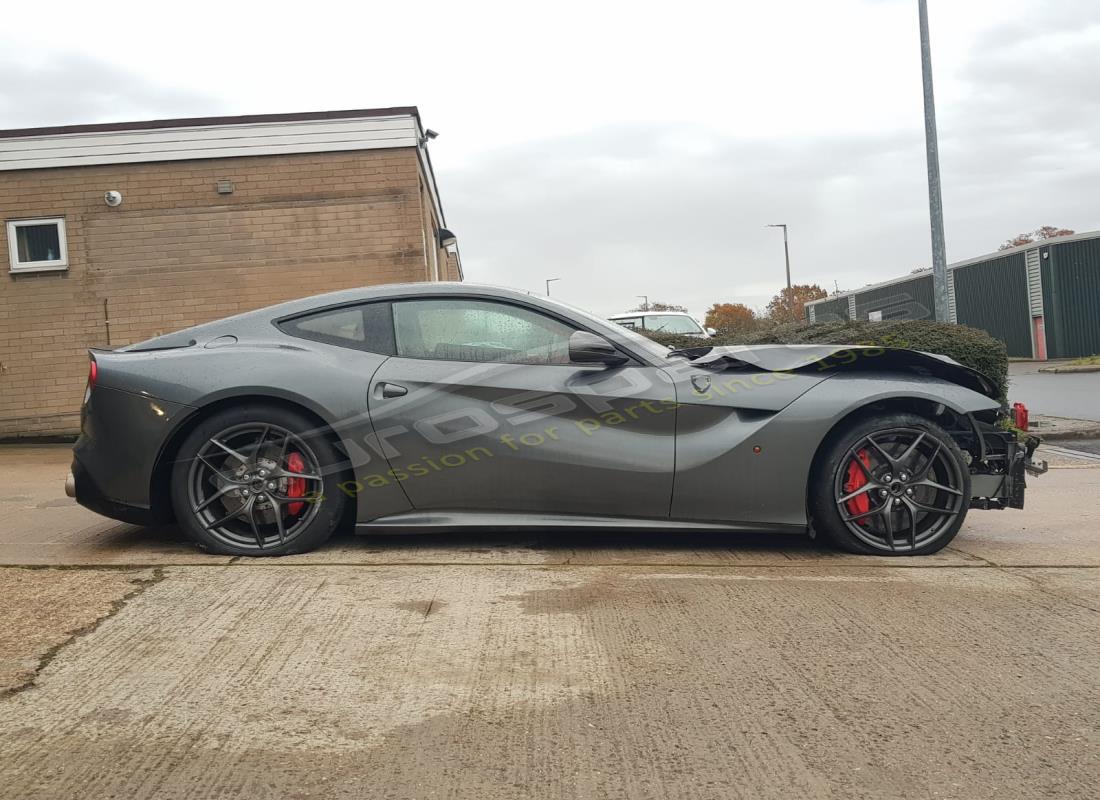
x=70, y=485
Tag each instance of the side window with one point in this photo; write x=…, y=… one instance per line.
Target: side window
x=363, y=327
x=477, y=330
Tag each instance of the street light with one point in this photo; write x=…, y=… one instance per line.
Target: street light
x=548, y=282
x=645, y=301
x=935, y=199
x=786, y=253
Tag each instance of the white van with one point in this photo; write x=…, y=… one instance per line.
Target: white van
x=677, y=322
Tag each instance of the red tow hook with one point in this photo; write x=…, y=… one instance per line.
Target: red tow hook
x=295, y=487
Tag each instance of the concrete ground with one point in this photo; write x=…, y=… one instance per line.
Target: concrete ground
x=513, y=665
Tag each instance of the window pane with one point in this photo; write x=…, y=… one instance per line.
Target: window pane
x=38, y=243
x=474, y=330
x=672, y=323
x=344, y=324
x=364, y=327
x=629, y=322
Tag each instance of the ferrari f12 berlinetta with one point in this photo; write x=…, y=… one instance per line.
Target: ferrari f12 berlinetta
x=450, y=405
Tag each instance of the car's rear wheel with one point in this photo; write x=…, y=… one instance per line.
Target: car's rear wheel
x=257, y=480
x=891, y=485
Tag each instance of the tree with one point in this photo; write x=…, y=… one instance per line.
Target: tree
x=730, y=317
x=790, y=304
x=1037, y=235
x=657, y=306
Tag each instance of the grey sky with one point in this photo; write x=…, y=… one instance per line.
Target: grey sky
x=637, y=148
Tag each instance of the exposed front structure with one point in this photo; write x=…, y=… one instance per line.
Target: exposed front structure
x=115, y=233
x=1041, y=299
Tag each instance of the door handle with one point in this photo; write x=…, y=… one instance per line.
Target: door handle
x=390, y=390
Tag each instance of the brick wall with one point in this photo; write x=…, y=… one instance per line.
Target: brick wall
x=452, y=273
x=177, y=253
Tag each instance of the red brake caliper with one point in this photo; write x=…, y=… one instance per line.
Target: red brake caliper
x=295, y=487
x=857, y=479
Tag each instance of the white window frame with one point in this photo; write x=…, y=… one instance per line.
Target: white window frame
x=15, y=265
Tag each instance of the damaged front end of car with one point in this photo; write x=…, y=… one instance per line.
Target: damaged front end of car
x=999, y=454
x=1001, y=458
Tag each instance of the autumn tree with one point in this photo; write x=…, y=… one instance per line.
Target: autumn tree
x=730, y=317
x=1037, y=235
x=790, y=304
x=658, y=306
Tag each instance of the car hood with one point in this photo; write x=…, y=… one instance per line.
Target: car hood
x=839, y=357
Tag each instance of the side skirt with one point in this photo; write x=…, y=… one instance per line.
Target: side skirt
x=420, y=521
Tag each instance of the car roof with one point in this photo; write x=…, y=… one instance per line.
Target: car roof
x=381, y=292
x=362, y=294
x=261, y=319
x=650, y=314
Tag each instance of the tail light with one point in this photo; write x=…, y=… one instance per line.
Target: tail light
x=93, y=374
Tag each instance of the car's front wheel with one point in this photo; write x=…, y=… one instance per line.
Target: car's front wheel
x=257, y=480
x=893, y=484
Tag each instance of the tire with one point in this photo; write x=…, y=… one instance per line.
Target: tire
x=892, y=484
x=235, y=486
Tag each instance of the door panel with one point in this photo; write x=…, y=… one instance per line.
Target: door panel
x=530, y=438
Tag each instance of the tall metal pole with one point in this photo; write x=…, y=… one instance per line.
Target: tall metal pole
x=935, y=199
x=645, y=301
x=787, y=258
x=786, y=251
x=548, y=282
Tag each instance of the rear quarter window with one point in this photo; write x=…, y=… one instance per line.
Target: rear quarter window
x=368, y=326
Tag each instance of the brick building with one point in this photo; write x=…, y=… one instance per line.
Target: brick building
x=116, y=233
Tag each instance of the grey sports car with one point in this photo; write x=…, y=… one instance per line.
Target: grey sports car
x=450, y=405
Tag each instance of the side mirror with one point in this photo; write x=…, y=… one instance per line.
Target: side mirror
x=711, y=332
x=589, y=348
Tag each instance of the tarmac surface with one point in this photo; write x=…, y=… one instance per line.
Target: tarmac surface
x=1083, y=445
x=1074, y=395
x=509, y=665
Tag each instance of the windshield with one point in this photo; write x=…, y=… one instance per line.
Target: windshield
x=672, y=323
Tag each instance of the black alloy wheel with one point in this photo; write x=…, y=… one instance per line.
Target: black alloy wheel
x=895, y=489
x=255, y=482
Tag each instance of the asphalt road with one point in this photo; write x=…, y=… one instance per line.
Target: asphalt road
x=548, y=666
x=1084, y=445
x=1059, y=395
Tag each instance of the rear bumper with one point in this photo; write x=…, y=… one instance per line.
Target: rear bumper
x=81, y=486
x=115, y=459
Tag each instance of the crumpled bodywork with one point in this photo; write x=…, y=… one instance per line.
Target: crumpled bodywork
x=827, y=358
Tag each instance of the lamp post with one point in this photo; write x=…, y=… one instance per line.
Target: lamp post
x=548, y=282
x=645, y=301
x=935, y=199
x=786, y=252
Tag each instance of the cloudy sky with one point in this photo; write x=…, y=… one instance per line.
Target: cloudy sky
x=633, y=148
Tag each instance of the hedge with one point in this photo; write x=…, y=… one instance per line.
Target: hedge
x=969, y=346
